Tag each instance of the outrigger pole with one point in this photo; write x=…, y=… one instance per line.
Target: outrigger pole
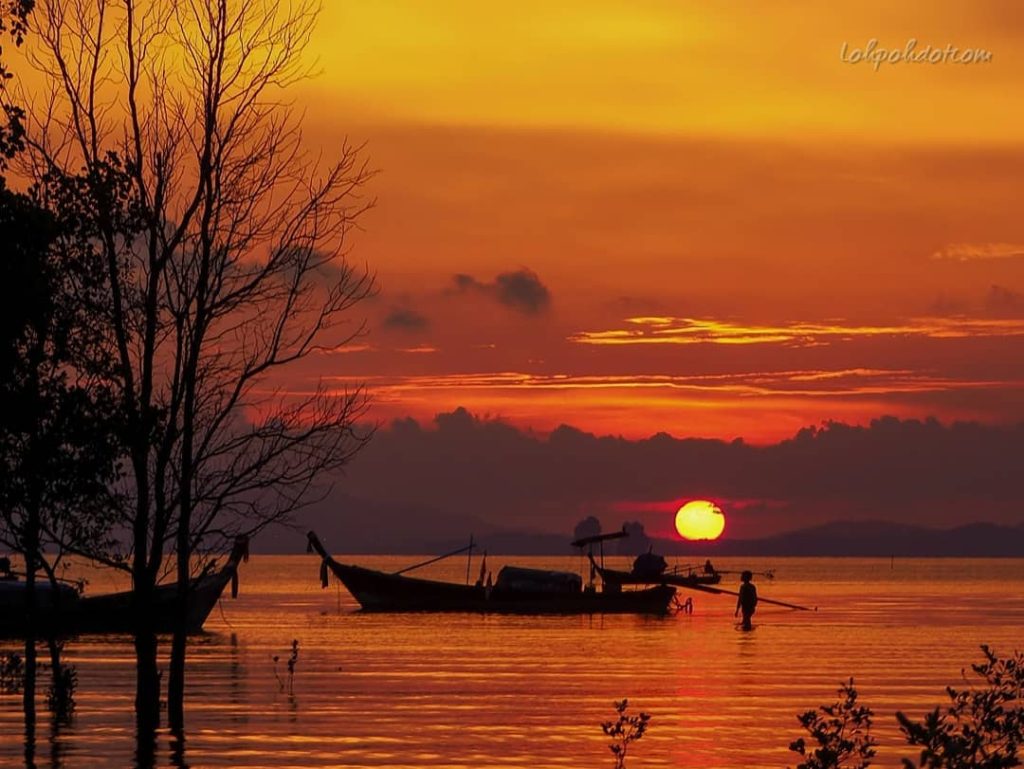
x=723, y=591
x=469, y=547
x=601, y=538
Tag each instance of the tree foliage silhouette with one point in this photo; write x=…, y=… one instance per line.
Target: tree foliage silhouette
x=841, y=732
x=624, y=731
x=167, y=133
x=982, y=727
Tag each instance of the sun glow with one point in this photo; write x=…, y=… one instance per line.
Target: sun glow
x=700, y=519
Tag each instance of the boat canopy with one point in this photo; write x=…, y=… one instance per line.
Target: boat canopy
x=538, y=580
x=649, y=565
x=14, y=594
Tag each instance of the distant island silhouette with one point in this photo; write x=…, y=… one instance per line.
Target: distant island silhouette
x=840, y=538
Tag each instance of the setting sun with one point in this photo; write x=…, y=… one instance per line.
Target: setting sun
x=700, y=519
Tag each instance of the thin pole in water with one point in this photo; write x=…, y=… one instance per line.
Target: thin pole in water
x=469, y=558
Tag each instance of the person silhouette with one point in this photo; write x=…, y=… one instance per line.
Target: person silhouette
x=747, y=599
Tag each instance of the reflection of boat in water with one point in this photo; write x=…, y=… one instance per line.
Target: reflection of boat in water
x=64, y=611
x=515, y=591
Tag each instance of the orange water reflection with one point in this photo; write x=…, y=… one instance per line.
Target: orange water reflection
x=475, y=691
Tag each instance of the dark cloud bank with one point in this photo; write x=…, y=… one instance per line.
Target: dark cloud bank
x=521, y=290
x=404, y=319
x=420, y=487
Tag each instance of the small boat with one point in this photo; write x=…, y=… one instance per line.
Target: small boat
x=515, y=591
x=679, y=578
x=14, y=594
x=648, y=568
x=65, y=612
x=651, y=569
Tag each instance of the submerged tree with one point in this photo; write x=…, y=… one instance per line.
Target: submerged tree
x=57, y=453
x=981, y=728
x=57, y=450
x=841, y=732
x=166, y=136
x=624, y=731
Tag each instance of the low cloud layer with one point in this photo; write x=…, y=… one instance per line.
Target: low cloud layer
x=404, y=319
x=1004, y=303
x=466, y=471
x=520, y=290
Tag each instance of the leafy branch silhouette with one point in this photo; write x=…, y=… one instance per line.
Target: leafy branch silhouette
x=624, y=731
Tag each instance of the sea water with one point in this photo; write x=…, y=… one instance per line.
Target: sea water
x=449, y=690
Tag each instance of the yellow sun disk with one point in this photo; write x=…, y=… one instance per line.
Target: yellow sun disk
x=700, y=519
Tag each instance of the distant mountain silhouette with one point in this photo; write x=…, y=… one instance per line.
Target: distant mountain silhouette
x=871, y=538
x=361, y=527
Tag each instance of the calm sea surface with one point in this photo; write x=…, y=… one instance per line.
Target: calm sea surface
x=488, y=691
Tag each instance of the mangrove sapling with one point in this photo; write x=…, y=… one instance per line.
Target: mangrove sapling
x=60, y=695
x=842, y=732
x=982, y=727
x=293, y=658
x=624, y=731
x=12, y=673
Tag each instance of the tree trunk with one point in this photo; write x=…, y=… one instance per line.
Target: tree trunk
x=179, y=644
x=176, y=679
x=147, y=674
x=61, y=694
x=31, y=542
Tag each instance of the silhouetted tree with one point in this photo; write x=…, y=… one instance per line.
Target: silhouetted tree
x=588, y=527
x=637, y=542
x=13, y=24
x=981, y=728
x=57, y=429
x=56, y=452
x=624, y=731
x=224, y=247
x=841, y=731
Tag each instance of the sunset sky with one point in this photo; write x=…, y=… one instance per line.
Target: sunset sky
x=679, y=217
x=605, y=229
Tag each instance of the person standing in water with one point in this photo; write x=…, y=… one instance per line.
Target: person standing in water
x=747, y=600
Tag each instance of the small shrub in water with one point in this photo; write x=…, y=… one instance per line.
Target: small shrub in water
x=624, y=731
x=12, y=673
x=293, y=659
x=842, y=732
x=60, y=696
x=981, y=728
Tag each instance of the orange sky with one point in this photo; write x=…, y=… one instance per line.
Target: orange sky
x=819, y=239
x=684, y=217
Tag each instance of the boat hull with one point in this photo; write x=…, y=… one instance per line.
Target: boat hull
x=113, y=613
x=378, y=591
x=695, y=580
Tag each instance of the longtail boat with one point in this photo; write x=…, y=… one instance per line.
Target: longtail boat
x=515, y=591
x=684, y=577
x=651, y=569
x=648, y=568
x=65, y=612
